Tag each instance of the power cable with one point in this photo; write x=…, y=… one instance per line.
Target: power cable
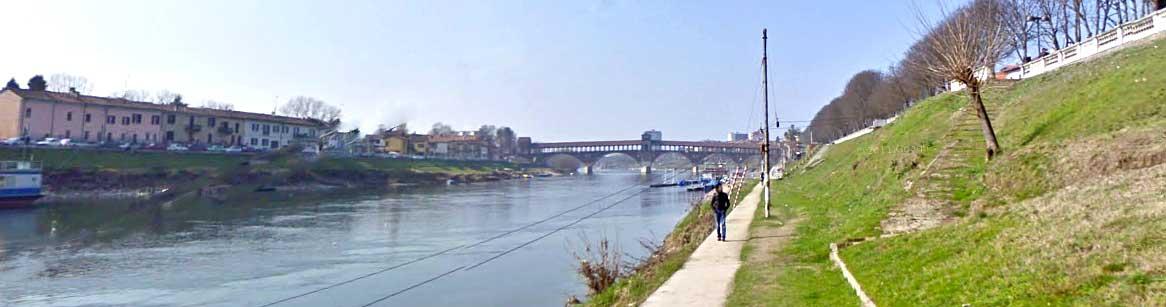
x=499, y=255
x=466, y=246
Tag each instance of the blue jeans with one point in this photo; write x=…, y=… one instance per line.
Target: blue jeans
x=719, y=224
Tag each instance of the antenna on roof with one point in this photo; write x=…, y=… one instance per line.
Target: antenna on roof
x=274, y=105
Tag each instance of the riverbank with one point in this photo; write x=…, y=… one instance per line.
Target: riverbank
x=669, y=258
x=72, y=174
x=1062, y=216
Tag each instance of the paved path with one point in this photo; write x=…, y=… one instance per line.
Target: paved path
x=707, y=276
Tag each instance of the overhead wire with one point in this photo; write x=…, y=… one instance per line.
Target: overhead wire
x=439, y=253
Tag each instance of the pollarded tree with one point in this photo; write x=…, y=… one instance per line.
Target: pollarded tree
x=37, y=83
x=12, y=84
x=967, y=41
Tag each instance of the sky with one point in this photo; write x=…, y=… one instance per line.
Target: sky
x=552, y=70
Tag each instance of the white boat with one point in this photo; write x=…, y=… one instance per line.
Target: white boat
x=20, y=183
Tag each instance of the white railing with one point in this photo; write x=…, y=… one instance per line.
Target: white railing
x=1118, y=38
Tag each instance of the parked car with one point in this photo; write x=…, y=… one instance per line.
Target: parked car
x=233, y=149
x=176, y=147
x=82, y=144
x=48, y=142
x=12, y=141
x=197, y=147
x=215, y=148
x=155, y=146
x=64, y=142
x=129, y=146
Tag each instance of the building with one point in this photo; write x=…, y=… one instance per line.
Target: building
x=41, y=114
x=419, y=144
x=652, y=135
x=459, y=147
x=738, y=137
x=524, y=144
x=757, y=136
x=270, y=131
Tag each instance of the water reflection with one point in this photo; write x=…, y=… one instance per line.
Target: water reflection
x=251, y=252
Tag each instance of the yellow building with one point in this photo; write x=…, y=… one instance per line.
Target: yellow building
x=397, y=143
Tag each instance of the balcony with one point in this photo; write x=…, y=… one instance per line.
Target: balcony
x=225, y=130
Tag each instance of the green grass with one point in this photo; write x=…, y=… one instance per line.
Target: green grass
x=58, y=159
x=1096, y=119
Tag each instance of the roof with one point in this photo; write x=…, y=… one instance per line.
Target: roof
x=453, y=138
x=125, y=103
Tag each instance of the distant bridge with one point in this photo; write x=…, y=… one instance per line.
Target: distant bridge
x=645, y=152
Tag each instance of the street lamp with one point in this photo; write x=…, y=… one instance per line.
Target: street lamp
x=1037, y=20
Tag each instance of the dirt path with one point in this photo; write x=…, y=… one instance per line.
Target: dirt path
x=707, y=276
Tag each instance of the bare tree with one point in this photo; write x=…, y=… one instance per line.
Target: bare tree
x=132, y=95
x=65, y=82
x=167, y=97
x=441, y=129
x=311, y=108
x=218, y=105
x=967, y=40
x=1016, y=17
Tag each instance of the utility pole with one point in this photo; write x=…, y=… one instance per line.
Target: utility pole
x=765, y=88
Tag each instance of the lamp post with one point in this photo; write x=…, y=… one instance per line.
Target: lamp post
x=1037, y=20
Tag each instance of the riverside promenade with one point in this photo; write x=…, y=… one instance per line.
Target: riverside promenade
x=707, y=276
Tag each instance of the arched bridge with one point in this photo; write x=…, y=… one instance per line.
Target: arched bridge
x=644, y=151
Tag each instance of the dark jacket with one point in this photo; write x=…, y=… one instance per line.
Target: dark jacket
x=720, y=201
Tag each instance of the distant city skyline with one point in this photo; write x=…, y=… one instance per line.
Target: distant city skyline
x=555, y=71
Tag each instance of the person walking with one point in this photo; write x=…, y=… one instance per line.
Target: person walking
x=720, y=204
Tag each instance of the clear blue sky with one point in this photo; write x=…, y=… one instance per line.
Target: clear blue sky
x=554, y=70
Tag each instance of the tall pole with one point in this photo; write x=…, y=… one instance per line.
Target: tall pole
x=765, y=88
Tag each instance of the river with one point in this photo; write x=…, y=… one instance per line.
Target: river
x=419, y=246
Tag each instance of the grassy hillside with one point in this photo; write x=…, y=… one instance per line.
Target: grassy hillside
x=1071, y=213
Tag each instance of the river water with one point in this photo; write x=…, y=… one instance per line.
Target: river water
x=464, y=245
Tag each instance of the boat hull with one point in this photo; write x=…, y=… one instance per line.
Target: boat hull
x=16, y=202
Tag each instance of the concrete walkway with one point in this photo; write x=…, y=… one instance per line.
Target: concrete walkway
x=707, y=276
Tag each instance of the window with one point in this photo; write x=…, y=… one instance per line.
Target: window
x=156, y=120
x=274, y=144
x=254, y=127
x=210, y=122
x=170, y=119
x=111, y=119
x=88, y=118
x=123, y=136
x=266, y=131
x=109, y=136
x=169, y=136
x=296, y=130
x=254, y=141
x=69, y=116
x=236, y=127
x=28, y=113
x=210, y=137
x=264, y=142
x=99, y=137
x=68, y=134
x=125, y=120
x=137, y=118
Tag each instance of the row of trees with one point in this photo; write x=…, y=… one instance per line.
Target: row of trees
x=300, y=106
x=955, y=46
x=871, y=95
x=1061, y=23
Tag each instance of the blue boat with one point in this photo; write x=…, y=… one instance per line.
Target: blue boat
x=20, y=183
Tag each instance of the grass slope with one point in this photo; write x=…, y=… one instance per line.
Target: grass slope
x=1067, y=216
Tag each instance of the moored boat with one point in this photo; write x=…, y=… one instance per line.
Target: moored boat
x=20, y=183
